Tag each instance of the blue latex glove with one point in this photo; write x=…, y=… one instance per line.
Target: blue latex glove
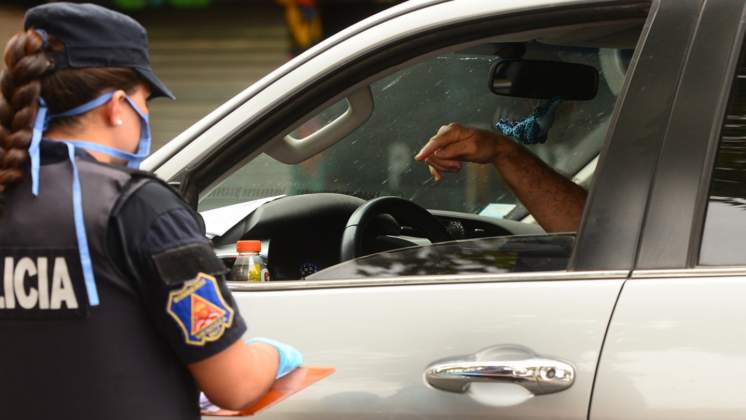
x=290, y=358
x=533, y=129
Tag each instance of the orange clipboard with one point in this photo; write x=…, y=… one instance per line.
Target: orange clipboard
x=301, y=378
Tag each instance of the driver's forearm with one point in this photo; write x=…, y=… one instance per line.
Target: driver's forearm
x=553, y=200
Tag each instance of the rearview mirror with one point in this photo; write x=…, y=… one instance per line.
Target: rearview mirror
x=543, y=79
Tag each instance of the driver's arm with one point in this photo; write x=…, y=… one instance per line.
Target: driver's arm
x=555, y=202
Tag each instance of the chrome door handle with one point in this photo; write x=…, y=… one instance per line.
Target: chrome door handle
x=536, y=374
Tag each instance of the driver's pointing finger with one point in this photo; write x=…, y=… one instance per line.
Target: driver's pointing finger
x=446, y=135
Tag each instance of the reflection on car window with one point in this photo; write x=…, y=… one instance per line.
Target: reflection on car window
x=724, y=235
x=517, y=254
x=376, y=159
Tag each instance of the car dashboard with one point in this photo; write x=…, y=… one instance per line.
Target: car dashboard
x=301, y=235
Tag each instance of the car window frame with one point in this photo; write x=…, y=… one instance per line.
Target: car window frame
x=636, y=139
x=675, y=215
x=402, y=51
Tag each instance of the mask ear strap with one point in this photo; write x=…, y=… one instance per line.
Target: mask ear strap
x=80, y=233
x=134, y=106
x=42, y=121
x=44, y=38
x=88, y=106
x=143, y=148
x=119, y=154
x=40, y=124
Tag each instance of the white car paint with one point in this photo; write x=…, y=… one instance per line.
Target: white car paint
x=381, y=339
x=675, y=351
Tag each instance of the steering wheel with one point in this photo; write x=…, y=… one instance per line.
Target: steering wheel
x=404, y=211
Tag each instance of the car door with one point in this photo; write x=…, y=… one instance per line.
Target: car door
x=674, y=348
x=513, y=345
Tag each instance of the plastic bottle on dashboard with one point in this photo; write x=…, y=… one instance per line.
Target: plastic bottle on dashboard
x=250, y=266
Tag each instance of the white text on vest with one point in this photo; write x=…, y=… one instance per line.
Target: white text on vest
x=45, y=295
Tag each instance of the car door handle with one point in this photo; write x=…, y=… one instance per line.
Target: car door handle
x=536, y=374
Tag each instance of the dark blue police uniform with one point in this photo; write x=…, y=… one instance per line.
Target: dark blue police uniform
x=108, y=287
x=164, y=302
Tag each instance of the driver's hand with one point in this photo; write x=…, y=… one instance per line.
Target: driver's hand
x=454, y=144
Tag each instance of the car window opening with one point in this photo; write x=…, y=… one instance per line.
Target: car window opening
x=376, y=159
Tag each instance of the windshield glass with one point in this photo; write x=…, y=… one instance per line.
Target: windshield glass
x=376, y=159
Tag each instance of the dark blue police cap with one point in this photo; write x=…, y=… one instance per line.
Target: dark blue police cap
x=95, y=36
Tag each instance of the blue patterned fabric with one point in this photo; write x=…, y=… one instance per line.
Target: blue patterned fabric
x=533, y=129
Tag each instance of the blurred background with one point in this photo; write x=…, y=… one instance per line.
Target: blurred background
x=207, y=51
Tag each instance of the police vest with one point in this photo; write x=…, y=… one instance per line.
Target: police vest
x=60, y=358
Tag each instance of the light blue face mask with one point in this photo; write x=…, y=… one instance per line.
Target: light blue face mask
x=133, y=161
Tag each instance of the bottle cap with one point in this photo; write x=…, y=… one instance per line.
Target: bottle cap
x=248, y=246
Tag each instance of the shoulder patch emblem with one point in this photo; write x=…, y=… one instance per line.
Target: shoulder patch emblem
x=200, y=310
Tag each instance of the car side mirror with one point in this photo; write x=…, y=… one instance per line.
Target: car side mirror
x=543, y=79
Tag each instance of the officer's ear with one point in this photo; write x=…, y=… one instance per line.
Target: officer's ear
x=115, y=111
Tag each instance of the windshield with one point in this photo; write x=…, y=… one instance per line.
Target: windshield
x=376, y=159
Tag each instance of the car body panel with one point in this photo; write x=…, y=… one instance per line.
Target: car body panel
x=380, y=339
x=674, y=350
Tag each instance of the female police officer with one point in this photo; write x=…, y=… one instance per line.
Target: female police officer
x=112, y=304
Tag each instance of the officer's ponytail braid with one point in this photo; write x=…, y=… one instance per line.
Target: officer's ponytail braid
x=21, y=87
x=30, y=75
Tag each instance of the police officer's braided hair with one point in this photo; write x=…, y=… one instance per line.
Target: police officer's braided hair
x=20, y=84
x=29, y=74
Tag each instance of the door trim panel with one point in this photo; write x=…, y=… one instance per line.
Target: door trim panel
x=689, y=273
x=429, y=280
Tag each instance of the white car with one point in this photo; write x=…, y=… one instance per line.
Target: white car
x=638, y=315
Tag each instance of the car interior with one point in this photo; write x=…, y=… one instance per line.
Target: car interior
x=339, y=195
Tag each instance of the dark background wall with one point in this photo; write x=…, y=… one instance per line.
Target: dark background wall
x=204, y=55
x=208, y=56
